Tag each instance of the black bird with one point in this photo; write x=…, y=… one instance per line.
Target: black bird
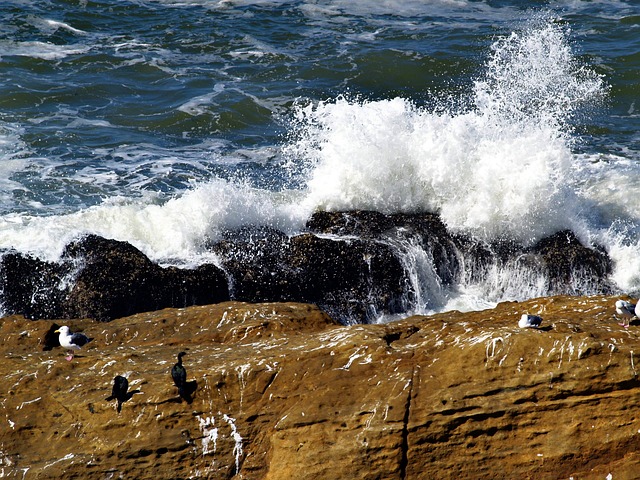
x=119, y=391
x=179, y=375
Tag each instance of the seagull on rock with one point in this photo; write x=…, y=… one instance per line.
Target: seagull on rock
x=627, y=311
x=71, y=341
x=529, y=321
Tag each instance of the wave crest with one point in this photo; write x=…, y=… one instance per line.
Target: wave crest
x=501, y=168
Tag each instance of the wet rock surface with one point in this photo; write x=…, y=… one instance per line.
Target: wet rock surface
x=347, y=277
x=357, y=266
x=283, y=391
x=102, y=279
x=360, y=265
x=115, y=279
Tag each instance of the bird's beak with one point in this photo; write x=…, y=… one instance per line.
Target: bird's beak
x=57, y=331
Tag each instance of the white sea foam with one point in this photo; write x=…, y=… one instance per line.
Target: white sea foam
x=42, y=50
x=484, y=178
x=337, y=10
x=176, y=229
x=12, y=151
x=50, y=26
x=501, y=168
x=202, y=104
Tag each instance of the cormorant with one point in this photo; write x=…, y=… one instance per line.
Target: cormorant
x=119, y=391
x=179, y=375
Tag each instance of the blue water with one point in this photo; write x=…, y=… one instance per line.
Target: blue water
x=164, y=122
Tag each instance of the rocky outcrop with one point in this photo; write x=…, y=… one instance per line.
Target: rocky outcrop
x=567, y=262
x=360, y=265
x=349, y=277
x=357, y=266
x=31, y=287
x=424, y=230
x=285, y=392
x=102, y=279
x=116, y=279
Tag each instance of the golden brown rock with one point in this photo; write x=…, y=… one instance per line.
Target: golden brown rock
x=284, y=392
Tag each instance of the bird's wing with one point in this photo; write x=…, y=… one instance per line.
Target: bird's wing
x=80, y=339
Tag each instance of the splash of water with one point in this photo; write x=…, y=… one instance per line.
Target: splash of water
x=500, y=168
x=533, y=79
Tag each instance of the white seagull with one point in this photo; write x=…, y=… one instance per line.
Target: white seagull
x=529, y=321
x=72, y=341
x=627, y=311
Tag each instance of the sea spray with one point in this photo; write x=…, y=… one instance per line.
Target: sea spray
x=533, y=79
x=425, y=289
x=495, y=164
x=500, y=168
x=173, y=231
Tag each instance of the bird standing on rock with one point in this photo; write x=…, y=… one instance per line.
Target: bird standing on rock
x=72, y=341
x=119, y=391
x=627, y=311
x=529, y=321
x=179, y=375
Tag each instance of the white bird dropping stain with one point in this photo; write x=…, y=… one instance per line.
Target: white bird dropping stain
x=237, y=449
x=210, y=434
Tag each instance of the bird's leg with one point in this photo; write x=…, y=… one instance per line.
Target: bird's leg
x=69, y=356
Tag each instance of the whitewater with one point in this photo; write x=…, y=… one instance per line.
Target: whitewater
x=498, y=158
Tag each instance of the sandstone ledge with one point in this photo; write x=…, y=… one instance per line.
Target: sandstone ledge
x=285, y=392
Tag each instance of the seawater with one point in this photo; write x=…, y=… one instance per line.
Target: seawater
x=163, y=123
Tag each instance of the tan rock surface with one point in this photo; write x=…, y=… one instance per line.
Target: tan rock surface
x=285, y=393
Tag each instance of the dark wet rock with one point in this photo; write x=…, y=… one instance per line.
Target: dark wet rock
x=361, y=223
x=401, y=233
x=570, y=266
x=358, y=264
x=355, y=265
x=566, y=265
x=116, y=279
x=351, y=278
x=31, y=287
x=256, y=260
x=102, y=279
x=357, y=277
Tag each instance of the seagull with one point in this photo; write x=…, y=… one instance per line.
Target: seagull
x=627, y=310
x=72, y=341
x=179, y=375
x=529, y=321
x=119, y=391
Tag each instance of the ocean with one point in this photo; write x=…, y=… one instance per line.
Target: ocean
x=164, y=123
